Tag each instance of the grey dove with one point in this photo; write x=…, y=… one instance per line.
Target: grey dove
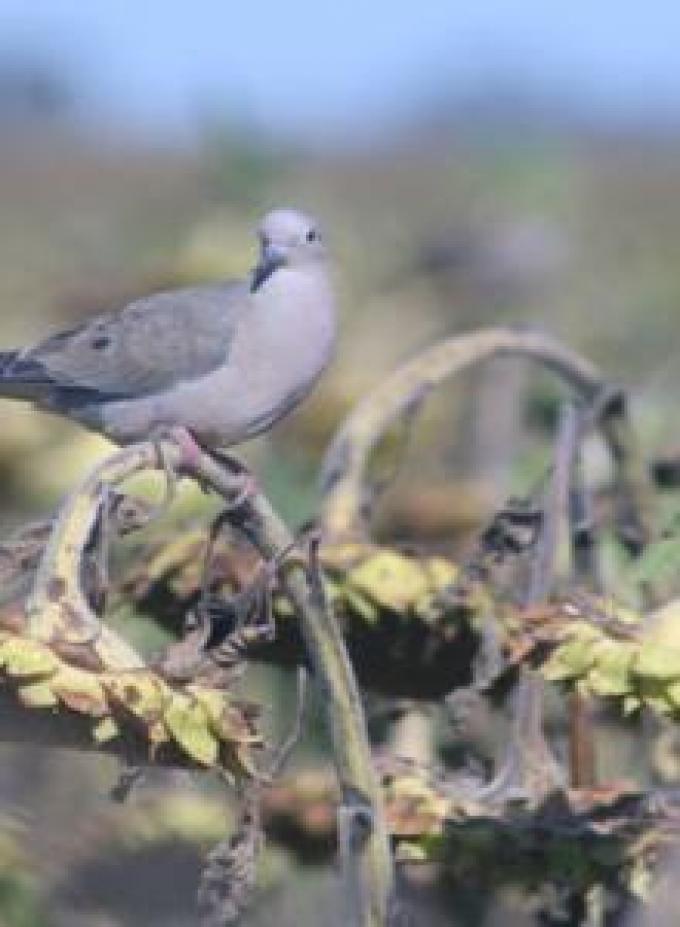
x=224, y=361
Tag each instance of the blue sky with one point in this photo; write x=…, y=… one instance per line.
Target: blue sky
x=319, y=66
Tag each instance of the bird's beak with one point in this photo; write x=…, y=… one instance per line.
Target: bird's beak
x=271, y=260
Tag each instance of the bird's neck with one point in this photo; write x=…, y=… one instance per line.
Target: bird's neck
x=301, y=297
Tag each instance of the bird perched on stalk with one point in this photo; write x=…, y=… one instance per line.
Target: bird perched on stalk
x=224, y=362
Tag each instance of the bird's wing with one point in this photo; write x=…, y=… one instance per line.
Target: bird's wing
x=150, y=346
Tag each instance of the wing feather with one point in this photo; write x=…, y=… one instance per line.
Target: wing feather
x=148, y=347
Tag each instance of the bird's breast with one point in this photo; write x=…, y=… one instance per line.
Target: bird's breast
x=282, y=344
x=288, y=338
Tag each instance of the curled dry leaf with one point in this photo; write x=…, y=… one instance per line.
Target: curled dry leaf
x=208, y=727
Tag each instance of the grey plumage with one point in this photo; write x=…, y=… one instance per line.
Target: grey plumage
x=225, y=361
x=149, y=346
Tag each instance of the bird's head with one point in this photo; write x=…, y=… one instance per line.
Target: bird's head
x=288, y=238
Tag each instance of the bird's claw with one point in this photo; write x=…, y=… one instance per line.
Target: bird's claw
x=190, y=450
x=190, y=454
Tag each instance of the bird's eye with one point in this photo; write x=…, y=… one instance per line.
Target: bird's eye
x=312, y=235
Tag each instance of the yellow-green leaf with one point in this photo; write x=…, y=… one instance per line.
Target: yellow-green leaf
x=24, y=657
x=657, y=661
x=37, y=695
x=573, y=658
x=188, y=724
x=216, y=705
x=105, y=730
x=80, y=690
x=141, y=693
x=393, y=580
x=610, y=674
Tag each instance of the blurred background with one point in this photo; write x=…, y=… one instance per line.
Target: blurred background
x=472, y=164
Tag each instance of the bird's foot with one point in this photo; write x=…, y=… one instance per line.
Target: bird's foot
x=190, y=450
x=190, y=455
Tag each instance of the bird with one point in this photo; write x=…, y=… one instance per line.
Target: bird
x=221, y=362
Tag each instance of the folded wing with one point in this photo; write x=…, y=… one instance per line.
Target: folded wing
x=149, y=347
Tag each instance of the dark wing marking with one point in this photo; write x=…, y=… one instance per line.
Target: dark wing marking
x=151, y=345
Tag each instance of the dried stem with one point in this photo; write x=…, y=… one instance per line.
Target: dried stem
x=347, y=498
x=529, y=768
x=555, y=522
x=58, y=609
x=582, y=745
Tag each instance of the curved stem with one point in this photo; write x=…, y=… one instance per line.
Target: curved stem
x=58, y=609
x=347, y=457
x=359, y=784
